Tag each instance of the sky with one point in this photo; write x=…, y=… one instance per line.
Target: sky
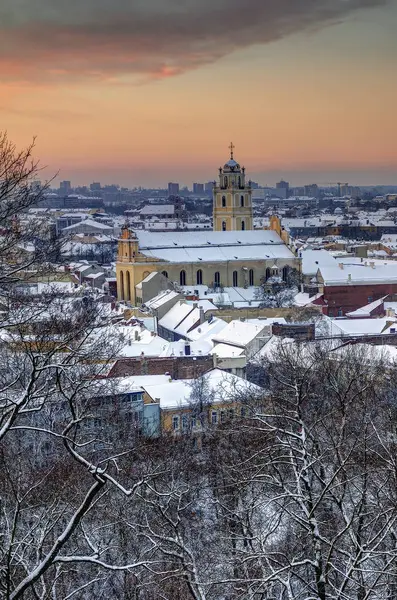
x=142, y=92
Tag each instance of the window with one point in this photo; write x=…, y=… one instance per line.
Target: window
x=217, y=279
x=214, y=417
x=128, y=293
x=199, y=277
x=242, y=225
x=267, y=273
x=193, y=422
x=225, y=181
x=164, y=273
x=223, y=225
x=251, y=276
x=241, y=201
x=121, y=293
x=231, y=413
x=185, y=422
x=182, y=277
x=175, y=423
x=222, y=416
x=370, y=299
x=243, y=411
x=239, y=185
x=223, y=201
x=235, y=279
x=285, y=273
x=340, y=313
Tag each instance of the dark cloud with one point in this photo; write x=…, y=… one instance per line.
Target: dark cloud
x=41, y=39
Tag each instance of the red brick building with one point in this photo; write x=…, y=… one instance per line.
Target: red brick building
x=346, y=288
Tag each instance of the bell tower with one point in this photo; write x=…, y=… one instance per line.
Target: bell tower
x=232, y=198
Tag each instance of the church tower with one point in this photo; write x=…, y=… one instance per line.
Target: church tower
x=232, y=198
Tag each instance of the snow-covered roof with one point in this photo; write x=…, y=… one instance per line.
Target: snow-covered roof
x=226, y=387
x=158, y=209
x=208, y=329
x=359, y=326
x=175, y=316
x=359, y=274
x=212, y=246
x=240, y=333
x=161, y=299
x=88, y=223
x=312, y=260
x=227, y=351
x=365, y=311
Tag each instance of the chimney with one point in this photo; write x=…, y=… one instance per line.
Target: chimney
x=349, y=277
x=340, y=266
x=372, y=265
x=195, y=305
x=202, y=315
x=136, y=335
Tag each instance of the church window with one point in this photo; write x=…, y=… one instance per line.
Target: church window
x=121, y=294
x=164, y=273
x=241, y=200
x=225, y=181
x=217, y=279
x=239, y=182
x=128, y=294
x=242, y=225
x=235, y=279
x=267, y=273
x=223, y=201
x=285, y=273
x=199, y=277
x=224, y=226
x=182, y=277
x=251, y=276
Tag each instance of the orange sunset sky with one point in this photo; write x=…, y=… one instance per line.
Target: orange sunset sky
x=149, y=91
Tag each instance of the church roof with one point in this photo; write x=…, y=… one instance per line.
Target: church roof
x=212, y=246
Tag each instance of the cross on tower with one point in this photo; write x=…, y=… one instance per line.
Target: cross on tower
x=231, y=148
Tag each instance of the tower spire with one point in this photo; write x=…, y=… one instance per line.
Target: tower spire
x=231, y=148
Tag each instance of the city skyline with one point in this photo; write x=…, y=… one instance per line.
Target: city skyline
x=155, y=92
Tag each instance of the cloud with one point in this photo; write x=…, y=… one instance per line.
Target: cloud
x=105, y=39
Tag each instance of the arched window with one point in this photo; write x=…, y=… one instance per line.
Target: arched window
x=242, y=225
x=235, y=279
x=239, y=182
x=225, y=181
x=217, y=279
x=199, y=277
x=121, y=292
x=268, y=274
x=285, y=273
x=241, y=200
x=223, y=201
x=182, y=277
x=223, y=225
x=164, y=273
x=128, y=291
x=251, y=276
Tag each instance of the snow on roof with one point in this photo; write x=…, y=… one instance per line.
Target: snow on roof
x=159, y=209
x=312, y=260
x=212, y=246
x=359, y=326
x=175, y=316
x=207, y=329
x=227, y=351
x=188, y=322
x=226, y=387
x=240, y=333
x=90, y=223
x=365, y=311
x=201, y=347
x=359, y=274
x=206, y=305
x=147, y=278
x=160, y=299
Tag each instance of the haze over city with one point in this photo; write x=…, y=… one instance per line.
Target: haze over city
x=149, y=92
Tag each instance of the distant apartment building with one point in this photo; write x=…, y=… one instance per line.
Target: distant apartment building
x=311, y=190
x=209, y=186
x=173, y=189
x=283, y=185
x=65, y=187
x=95, y=186
x=198, y=188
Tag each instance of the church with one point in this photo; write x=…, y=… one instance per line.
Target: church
x=233, y=254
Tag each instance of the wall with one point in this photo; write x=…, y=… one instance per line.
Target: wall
x=179, y=367
x=346, y=298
